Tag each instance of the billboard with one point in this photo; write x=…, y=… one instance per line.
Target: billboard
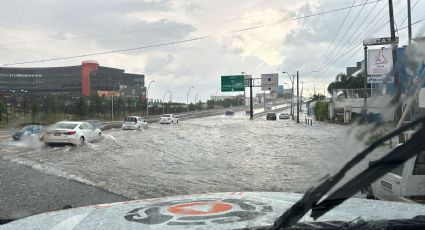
x=379, y=61
x=269, y=81
x=233, y=83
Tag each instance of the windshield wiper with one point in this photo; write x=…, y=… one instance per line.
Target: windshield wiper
x=390, y=161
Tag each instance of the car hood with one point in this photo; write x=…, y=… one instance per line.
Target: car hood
x=209, y=211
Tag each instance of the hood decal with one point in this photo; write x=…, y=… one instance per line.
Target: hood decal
x=199, y=212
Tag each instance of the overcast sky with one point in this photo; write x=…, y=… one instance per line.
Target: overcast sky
x=43, y=29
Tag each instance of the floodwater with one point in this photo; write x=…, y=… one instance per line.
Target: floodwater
x=213, y=154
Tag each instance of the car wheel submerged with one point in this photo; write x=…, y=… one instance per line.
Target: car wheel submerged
x=81, y=141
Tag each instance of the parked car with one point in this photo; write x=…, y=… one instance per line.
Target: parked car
x=284, y=116
x=271, y=116
x=134, y=122
x=403, y=184
x=71, y=132
x=95, y=123
x=168, y=119
x=229, y=113
x=27, y=131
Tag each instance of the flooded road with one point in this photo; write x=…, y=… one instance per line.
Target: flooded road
x=213, y=154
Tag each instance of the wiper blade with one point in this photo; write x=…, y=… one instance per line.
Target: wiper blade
x=314, y=195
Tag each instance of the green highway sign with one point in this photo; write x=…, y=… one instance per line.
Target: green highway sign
x=232, y=83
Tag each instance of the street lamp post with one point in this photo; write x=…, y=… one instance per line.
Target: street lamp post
x=112, y=103
x=147, y=99
x=196, y=99
x=187, y=98
x=292, y=95
x=163, y=99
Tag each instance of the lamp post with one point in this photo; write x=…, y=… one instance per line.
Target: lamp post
x=147, y=99
x=196, y=99
x=292, y=94
x=244, y=91
x=187, y=98
x=163, y=98
x=112, y=103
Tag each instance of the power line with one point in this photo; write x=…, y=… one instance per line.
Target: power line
x=180, y=41
x=143, y=30
x=347, y=31
x=402, y=28
x=333, y=57
x=349, y=50
x=336, y=35
x=413, y=7
x=110, y=52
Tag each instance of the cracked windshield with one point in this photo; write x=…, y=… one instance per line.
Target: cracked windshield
x=210, y=114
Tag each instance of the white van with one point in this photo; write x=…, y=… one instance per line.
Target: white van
x=405, y=183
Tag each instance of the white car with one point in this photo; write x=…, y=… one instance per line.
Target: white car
x=134, y=122
x=284, y=116
x=168, y=119
x=71, y=132
x=406, y=183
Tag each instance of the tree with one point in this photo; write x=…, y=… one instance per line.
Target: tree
x=95, y=106
x=81, y=107
x=34, y=110
x=318, y=97
x=3, y=109
x=344, y=82
x=210, y=104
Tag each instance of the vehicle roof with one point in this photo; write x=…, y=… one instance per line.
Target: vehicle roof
x=72, y=122
x=133, y=116
x=168, y=114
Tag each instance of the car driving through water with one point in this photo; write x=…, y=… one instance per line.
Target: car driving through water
x=28, y=131
x=168, y=119
x=134, y=122
x=71, y=132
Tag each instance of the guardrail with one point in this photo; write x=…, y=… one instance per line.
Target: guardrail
x=189, y=115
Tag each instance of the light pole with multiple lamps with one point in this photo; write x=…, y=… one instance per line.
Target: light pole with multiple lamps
x=298, y=93
x=147, y=99
x=292, y=94
x=187, y=98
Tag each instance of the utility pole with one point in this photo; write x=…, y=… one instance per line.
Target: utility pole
x=298, y=98
x=147, y=98
x=187, y=98
x=394, y=53
x=409, y=21
x=251, y=108
x=292, y=93
x=302, y=89
x=365, y=84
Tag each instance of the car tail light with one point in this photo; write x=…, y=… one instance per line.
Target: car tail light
x=70, y=132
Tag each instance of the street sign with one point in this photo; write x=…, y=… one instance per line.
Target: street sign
x=379, y=61
x=379, y=79
x=379, y=41
x=233, y=83
x=279, y=89
x=269, y=81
